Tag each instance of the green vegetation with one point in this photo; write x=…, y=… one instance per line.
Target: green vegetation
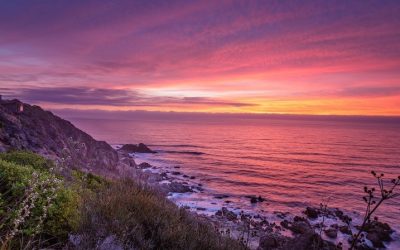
x=39, y=209
x=142, y=218
x=33, y=202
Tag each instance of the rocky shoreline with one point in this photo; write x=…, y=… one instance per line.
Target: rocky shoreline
x=321, y=227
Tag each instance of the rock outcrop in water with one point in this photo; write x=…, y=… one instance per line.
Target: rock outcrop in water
x=133, y=148
x=27, y=127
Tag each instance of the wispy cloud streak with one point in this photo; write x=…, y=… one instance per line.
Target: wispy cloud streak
x=110, y=97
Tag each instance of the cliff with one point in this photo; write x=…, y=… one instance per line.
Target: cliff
x=27, y=127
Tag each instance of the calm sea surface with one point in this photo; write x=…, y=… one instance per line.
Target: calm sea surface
x=292, y=162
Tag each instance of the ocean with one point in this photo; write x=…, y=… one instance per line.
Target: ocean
x=291, y=161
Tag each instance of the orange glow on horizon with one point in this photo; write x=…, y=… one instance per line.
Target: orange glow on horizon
x=223, y=57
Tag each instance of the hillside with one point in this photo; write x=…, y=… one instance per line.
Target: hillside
x=27, y=127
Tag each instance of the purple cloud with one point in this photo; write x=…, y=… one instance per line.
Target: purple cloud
x=109, y=97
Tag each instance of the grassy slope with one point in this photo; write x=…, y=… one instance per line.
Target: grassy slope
x=93, y=209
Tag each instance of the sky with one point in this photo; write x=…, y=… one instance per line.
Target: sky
x=286, y=57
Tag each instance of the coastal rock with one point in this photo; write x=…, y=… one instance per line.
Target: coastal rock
x=298, y=218
x=345, y=218
x=177, y=187
x=331, y=233
x=271, y=241
x=42, y=132
x=307, y=241
x=378, y=233
x=374, y=237
x=226, y=213
x=153, y=177
x=222, y=196
x=281, y=215
x=144, y=165
x=199, y=188
x=285, y=224
x=311, y=213
x=345, y=230
x=254, y=199
x=133, y=148
x=127, y=160
x=300, y=227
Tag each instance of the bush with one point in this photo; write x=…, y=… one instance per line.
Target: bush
x=88, y=182
x=38, y=209
x=27, y=158
x=34, y=202
x=143, y=219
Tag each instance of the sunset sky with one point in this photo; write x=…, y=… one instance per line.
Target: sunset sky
x=296, y=57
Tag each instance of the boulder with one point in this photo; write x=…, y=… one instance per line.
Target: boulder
x=271, y=241
x=311, y=213
x=378, y=232
x=222, y=196
x=300, y=227
x=307, y=241
x=345, y=218
x=226, y=213
x=133, y=148
x=144, y=165
x=177, y=187
x=298, y=218
x=345, y=230
x=331, y=233
x=285, y=224
x=375, y=238
x=255, y=199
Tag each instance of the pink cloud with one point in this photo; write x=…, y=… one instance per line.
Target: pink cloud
x=275, y=49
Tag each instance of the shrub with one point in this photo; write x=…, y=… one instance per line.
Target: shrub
x=86, y=182
x=143, y=219
x=34, y=202
x=27, y=158
x=39, y=210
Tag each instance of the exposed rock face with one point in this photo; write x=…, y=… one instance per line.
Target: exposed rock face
x=177, y=187
x=133, y=148
x=311, y=213
x=307, y=241
x=272, y=241
x=345, y=230
x=144, y=165
x=378, y=233
x=331, y=233
x=299, y=225
x=37, y=130
x=228, y=214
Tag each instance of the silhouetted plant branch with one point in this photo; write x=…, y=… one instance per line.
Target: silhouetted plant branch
x=373, y=202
